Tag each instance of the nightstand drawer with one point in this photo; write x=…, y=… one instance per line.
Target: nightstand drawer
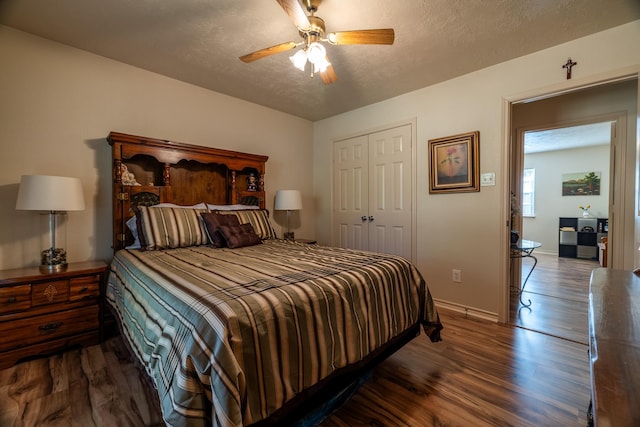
x=49, y=292
x=15, y=298
x=84, y=288
x=36, y=329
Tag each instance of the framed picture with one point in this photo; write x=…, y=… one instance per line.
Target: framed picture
x=581, y=184
x=455, y=163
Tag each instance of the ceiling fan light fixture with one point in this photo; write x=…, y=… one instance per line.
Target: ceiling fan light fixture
x=312, y=29
x=316, y=53
x=321, y=66
x=299, y=59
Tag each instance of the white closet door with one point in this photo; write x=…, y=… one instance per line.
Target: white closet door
x=373, y=193
x=351, y=193
x=390, y=191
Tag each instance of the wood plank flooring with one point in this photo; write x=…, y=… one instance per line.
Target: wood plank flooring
x=559, y=292
x=95, y=386
x=481, y=374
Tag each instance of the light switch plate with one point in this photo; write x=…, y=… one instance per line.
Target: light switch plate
x=487, y=179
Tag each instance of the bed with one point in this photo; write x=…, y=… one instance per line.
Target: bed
x=232, y=325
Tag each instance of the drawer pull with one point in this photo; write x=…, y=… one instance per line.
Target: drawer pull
x=83, y=289
x=11, y=300
x=49, y=327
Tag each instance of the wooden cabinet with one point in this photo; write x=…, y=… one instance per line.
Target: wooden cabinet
x=41, y=313
x=614, y=347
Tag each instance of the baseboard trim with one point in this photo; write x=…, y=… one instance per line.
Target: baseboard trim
x=466, y=310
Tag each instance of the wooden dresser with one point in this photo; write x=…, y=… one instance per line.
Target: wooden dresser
x=41, y=313
x=614, y=347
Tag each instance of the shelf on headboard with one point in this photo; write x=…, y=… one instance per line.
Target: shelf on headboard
x=175, y=172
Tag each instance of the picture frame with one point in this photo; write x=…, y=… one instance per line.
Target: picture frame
x=455, y=163
x=581, y=183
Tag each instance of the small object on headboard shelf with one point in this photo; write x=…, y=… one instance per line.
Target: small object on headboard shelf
x=252, y=184
x=178, y=173
x=128, y=178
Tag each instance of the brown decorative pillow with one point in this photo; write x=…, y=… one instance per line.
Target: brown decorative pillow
x=238, y=236
x=212, y=223
x=258, y=218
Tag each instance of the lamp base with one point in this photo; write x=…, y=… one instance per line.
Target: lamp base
x=53, y=260
x=53, y=268
x=289, y=235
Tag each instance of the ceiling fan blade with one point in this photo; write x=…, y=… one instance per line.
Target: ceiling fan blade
x=295, y=12
x=380, y=36
x=263, y=53
x=328, y=76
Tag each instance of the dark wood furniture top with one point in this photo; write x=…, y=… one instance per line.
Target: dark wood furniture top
x=184, y=174
x=614, y=347
x=41, y=313
x=307, y=241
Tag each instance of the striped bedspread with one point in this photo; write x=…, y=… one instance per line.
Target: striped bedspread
x=229, y=335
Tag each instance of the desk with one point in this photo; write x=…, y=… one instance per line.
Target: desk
x=614, y=347
x=524, y=249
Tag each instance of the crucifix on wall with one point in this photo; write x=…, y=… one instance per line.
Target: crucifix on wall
x=568, y=67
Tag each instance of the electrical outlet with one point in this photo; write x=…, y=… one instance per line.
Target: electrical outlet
x=456, y=275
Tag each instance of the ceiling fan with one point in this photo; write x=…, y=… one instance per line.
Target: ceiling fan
x=313, y=32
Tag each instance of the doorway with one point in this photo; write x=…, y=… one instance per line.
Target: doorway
x=614, y=103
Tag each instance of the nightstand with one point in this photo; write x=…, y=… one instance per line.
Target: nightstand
x=42, y=313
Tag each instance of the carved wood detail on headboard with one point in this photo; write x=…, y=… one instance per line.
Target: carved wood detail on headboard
x=150, y=171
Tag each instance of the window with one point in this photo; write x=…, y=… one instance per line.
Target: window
x=528, y=192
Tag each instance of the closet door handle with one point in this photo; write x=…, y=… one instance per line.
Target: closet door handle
x=363, y=218
x=371, y=218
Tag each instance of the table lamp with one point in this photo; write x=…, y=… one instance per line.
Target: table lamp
x=55, y=195
x=288, y=200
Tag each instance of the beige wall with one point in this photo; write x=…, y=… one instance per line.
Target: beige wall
x=468, y=231
x=58, y=104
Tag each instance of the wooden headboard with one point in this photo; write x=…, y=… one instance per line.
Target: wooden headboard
x=148, y=171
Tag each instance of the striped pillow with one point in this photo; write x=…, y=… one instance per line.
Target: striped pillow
x=168, y=228
x=259, y=220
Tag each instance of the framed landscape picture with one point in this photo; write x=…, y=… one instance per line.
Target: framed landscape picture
x=581, y=184
x=455, y=163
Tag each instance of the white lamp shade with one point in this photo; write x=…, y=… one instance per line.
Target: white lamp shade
x=316, y=53
x=299, y=60
x=288, y=200
x=50, y=193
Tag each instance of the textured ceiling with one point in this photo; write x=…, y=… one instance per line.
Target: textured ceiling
x=199, y=41
x=567, y=138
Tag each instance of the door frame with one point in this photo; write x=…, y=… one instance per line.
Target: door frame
x=507, y=165
x=617, y=168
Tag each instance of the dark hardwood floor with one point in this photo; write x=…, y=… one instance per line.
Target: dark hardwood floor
x=559, y=293
x=481, y=374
